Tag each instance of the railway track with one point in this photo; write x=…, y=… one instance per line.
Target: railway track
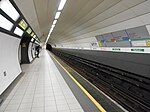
x=129, y=90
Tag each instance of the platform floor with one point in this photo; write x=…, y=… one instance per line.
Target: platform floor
x=40, y=89
x=107, y=103
x=45, y=86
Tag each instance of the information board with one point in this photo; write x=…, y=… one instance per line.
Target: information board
x=138, y=33
x=138, y=37
x=101, y=41
x=140, y=43
x=99, y=38
x=107, y=37
x=120, y=35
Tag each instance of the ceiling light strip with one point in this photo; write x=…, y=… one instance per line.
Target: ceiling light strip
x=54, y=22
x=57, y=15
x=61, y=6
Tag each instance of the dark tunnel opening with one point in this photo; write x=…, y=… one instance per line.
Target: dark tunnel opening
x=49, y=47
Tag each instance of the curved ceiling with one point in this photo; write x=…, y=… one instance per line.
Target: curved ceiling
x=78, y=18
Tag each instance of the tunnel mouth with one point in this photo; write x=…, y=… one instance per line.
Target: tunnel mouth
x=49, y=47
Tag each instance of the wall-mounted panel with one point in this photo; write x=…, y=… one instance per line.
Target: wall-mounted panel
x=9, y=60
x=118, y=44
x=138, y=33
x=133, y=37
x=30, y=52
x=33, y=50
x=120, y=35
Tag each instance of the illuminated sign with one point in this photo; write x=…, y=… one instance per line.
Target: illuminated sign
x=32, y=34
x=23, y=24
x=29, y=30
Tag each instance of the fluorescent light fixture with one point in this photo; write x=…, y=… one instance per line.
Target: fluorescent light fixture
x=6, y=24
x=29, y=31
x=18, y=31
x=37, y=42
x=57, y=15
x=54, y=22
x=8, y=8
x=34, y=36
x=51, y=30
x=32, y=39
x=23, y=24
x=49, y=34
x=52, y=26
x=47, y=39
x=61, y=5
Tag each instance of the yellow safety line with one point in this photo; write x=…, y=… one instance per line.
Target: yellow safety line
x=82, y=88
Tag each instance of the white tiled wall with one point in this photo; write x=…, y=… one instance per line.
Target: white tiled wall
x=9, y=60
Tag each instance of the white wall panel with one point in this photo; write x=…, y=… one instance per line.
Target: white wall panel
x=30, y=52
x=33, y=50
x=9, y=61
x=19, y=53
